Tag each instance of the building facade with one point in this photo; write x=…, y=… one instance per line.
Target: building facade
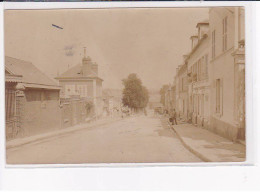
x=227, y=71
x=181, y=80
x=31, y=100
x=82, y=82
x=198, y=77
x=112, y=102
x=210, y=84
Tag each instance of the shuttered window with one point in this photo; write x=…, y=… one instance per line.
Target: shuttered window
x=224, y=34
x=213, y=46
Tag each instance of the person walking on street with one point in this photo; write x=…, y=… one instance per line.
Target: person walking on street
x=173, y=118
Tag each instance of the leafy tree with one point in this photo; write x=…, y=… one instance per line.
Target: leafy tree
x=135, y=95
x=163, y=90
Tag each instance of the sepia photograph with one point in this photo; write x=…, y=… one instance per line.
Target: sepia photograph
x=125, y=85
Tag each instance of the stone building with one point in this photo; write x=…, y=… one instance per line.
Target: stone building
x=82, y=81
x=181, y=80
x=170, y=98
x=198, y=77
x=210, y=84
x=31, y=100
x=226, y=34
x=112, y=102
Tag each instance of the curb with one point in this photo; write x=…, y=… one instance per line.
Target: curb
x=196, y=153
x=55, y=134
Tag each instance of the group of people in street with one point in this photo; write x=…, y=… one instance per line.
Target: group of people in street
x=172, y=116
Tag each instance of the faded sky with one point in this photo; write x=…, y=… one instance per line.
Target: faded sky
x=149, y=42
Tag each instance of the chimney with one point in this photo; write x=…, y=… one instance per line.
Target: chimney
x=86, y=64
x=95, y=68
x=203, y=28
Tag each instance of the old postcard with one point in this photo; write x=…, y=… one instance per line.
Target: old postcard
x=135, y=85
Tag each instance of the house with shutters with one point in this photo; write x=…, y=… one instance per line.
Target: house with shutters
x=82, y=82
x=227, y=61
x=198, y=77
x=181, y=91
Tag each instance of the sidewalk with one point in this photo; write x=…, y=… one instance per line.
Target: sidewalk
x=40, y=137
x=209, y=146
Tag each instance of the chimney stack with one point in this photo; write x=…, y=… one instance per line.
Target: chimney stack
x=95, y=68
x=86, y=64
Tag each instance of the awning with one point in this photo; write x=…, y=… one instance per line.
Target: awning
x=13, y=78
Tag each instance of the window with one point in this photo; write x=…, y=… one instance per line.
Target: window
x=202, y=104
x=182, y=84
x=195, y=69
x=224, y=34
x=218, y=95
x=213, y=49
x=84, y=91
x=199, y=70
x=70, y=90
x=206, y=66
x=10, y=104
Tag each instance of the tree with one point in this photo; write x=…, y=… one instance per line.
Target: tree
x=163, y=90
x=135, y=95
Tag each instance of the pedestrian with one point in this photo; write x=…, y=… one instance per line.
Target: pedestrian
x=173, y=118
x=166, y=112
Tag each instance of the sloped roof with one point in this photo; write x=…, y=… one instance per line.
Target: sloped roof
x=31, y=75
x=76, y=72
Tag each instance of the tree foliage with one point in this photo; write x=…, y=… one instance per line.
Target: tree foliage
x=163, y=90
x=135, y=95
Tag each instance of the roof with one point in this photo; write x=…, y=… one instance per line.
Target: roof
x=13, y=78
x=205, y=36
x=204, y=22
x=76, y=72
x=30, y=75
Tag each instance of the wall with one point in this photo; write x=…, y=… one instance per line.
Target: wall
x=40, y=111
x=99, y=88
x=223, y=68
x=215, y=23
x=74, y=111
x=182, y=96
x=89, y=84
x=199, y=88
